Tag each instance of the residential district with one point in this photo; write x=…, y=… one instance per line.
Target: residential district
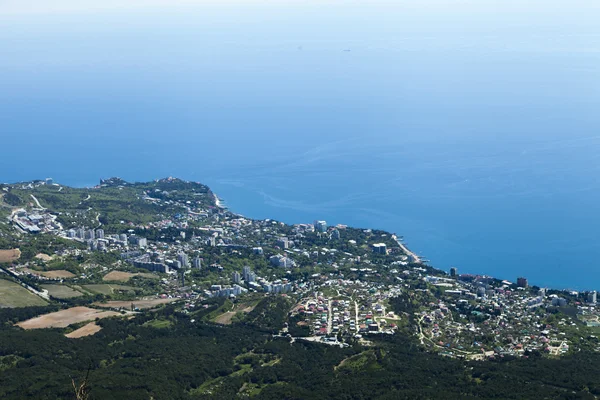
x=344, y=284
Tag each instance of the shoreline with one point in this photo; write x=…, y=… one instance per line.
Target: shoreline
x=415, y=258
x=218, y=202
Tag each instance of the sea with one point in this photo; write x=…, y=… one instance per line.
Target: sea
x=469, y=127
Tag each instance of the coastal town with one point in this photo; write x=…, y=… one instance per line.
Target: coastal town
x=344, y=284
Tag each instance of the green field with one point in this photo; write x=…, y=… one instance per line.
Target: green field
x=62, y=291
x=14, y=295
x=107, y=289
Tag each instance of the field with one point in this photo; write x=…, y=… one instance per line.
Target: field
x=141, y=304
x=64, y=318
x=60, y=273
x=61, y=291
x=14, y=295
x=86, y=330
x=243, y=308
x=121, y=276
x=9, y=255
x=106, y=289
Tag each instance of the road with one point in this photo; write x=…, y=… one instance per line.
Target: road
x=44, y=295
x=37, y=202
x=356, y=313
x=329, y=317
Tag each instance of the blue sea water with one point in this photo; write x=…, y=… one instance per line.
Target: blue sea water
x=472, y=128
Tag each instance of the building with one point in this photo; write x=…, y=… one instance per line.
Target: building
x=522, y=282
x=380, y=248
x=320, y=226
x=283, y=243
x=453, y=271
x=142, y=242
x=100, y=233
x=49, y=181
x=183, y=259
x=81, y=233
x=212, y=241
x=90, y=234
x=258, y=251
x=591, y=297
x=236, y=277
x=281, y=261
x=335, y=234
x=197, y=263
x=246, y=272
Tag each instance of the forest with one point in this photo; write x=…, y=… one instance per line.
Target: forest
x=171, y=355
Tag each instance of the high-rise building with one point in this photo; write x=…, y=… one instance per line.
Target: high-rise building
x=522, y=282
x=183, y=259
x=91, y=234
x=236, y=278
x=320, y=226
x=142, y=242
x=335, y=234
x=380, y=248
x=81, y=233
x=100, y=233
x=246, y=273
x=197, y=262
x=453, y=271
x=591, y=297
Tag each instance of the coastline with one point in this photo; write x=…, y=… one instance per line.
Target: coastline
x=218, y=202
x=414, y=256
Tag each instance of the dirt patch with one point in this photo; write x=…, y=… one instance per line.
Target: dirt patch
x=86, y=330
x=9, y=255
x=248, y=309
x=225, y=318
x=141, y=304
x=58, y=274
x=43, y=257
x=64, y=318
x=121, y=276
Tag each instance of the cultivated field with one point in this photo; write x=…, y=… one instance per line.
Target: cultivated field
x=120, y=276
x=64, y=318
x=61, y=291
x=106, y=289
x=14, y=295
x=9, y=255
x=85, y=330
x=58, y=274
x=141, y=304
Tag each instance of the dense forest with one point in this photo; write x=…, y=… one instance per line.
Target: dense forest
x=170, y=355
